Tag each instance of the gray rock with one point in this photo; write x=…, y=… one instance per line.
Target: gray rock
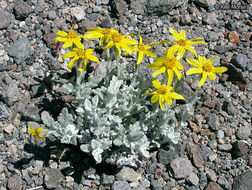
x=5, y=18
x=11, y=93
x=221, y=49
x=181, y=168
x=122, y=185
x=243, y=181
x=214, y=122
x=120, y=7
x=161, y=7
x=231, y=25
x=185, y=20
x=206, y=3
x=243, y=132
x=156, y=185
x=224, y=182
x=212, y=36
x=22, y=10
x=78, y=12
x=203, y=180
x=31, y=113
x=240, y=61
x=220, y=134
x=138, y=6
x=193, y=179
x=107, y=179
x=58, y=3
x=15, y=182
x=5, y=112
x=239, y=149
x=210, y=19
x=225, y=147
x=229, y=108
x=128, y=174
x=53, y=178
x=165, y=157
x=51, y=15
x=20, y=49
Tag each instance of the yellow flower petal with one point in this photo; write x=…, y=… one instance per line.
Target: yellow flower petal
x=168, y=100
x=149, y=53
x=175, y=34
x=176, y=96
x=60, y=39
x=159, y=71
x=194, y=71
x=202, y=60
x=61, y=33
x=71, y=62
x=67, y=44
x=119, y=50
x=140, y=38
x=161, y=100
x=211, y=76
x=156, y=83
x=220, y=70
x=69, y=54
x=203, y=79
x=140, y=57
x=31, y=130
x=189, y=48
x=89, y=51
x=154, y=98
x=170, y=77
x=179, y=75
x=181, y=52
x=193, y=62
x=92, y=58
x=78, y=43
x=182, y=35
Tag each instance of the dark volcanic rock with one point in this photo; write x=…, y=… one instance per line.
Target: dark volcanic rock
x=239, y=149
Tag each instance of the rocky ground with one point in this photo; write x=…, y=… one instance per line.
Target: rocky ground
x=215, y=149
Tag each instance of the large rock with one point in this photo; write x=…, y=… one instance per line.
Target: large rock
x=5, y=18
x=243, y=181
x=161, y=7
x=128, y=174
x=53, y=178
x=15, y=182
x=206, y=3
x=11, y=93
x=181, y=168
x=22, y=10
x=119, y=7
x=20, y=50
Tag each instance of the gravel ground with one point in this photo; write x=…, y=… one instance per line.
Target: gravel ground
x=214, y=151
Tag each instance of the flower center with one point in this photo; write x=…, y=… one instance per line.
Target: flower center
x=208, y=67
x=72, y=35
x=182, y=42
x=81, y=53
x=141, y=47
x=106, y=31
x=170, y=63
x=116, y=37
x=162, y=90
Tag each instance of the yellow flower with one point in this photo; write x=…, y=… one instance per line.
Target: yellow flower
x=168, y=64
x=143, y=49
x=120, y=41
x=80, y=55
x=163, y=94
x=105, y=34
x=36, y=132
x=69, y=38
x=204, y=67
x=181, y=44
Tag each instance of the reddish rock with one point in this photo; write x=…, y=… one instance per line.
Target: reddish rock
x=196, y=154
x=213, y=186
x=234, y=37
